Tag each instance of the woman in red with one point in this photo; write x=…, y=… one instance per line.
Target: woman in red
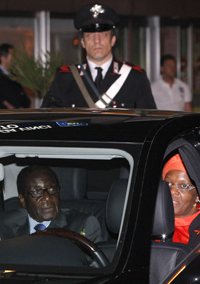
x=185, y=200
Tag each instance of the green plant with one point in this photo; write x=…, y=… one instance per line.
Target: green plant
x=35, y=74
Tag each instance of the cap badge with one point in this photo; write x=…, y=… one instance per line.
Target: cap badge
x=96, y=10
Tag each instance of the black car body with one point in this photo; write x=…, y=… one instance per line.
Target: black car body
x=105, y=146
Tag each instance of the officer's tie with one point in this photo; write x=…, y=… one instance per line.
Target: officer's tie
x=40, y=227
x=98, y=77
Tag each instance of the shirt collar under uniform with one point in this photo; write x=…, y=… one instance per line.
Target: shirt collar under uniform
x=105, y=67
x=33, y=223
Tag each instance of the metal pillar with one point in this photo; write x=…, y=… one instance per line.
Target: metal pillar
x=148, y=52
x=190, y=56
x=125, y=44
x=178, y=52
x=41, y=40
x=41, y=34
x=153, y=48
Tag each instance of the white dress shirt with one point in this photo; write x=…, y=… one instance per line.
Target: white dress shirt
x=6, y=72
x=104, y=67
x=33, y=223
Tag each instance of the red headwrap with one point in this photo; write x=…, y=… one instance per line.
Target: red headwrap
x=175, y=163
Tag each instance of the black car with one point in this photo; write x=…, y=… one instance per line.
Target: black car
x=109, y=164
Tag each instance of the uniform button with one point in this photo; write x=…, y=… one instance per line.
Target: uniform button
x=114, y=104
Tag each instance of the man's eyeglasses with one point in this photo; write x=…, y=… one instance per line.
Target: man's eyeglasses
x=182, y=187
x=39, y=192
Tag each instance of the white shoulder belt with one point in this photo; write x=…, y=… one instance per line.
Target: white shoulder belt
x=106, y=98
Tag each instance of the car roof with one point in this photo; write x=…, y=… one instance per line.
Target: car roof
x=120, y=125
x=82, y=111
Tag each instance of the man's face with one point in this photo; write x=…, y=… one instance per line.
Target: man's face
x=98, y=46
x=169, y=68
x=6, y=61
x=46, y=207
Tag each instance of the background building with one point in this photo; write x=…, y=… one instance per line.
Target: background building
x=147, y=30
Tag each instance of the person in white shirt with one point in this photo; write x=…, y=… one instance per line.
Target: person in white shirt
x=169, y=92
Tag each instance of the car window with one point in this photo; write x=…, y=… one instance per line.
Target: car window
x=93, y=182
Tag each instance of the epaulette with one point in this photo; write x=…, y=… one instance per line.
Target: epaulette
x=64, y=69
x=138, y=68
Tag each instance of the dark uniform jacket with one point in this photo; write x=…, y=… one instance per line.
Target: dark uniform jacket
x=12, y=92
x=135, y=92
x=15, y=223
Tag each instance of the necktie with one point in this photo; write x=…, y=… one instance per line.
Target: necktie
x=40, y=227
x=98, y=77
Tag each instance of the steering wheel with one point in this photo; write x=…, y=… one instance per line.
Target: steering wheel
x=88, y=247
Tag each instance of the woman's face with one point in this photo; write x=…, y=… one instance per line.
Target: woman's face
x=184, y=202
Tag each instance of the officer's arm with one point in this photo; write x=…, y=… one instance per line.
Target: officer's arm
x=53, y=97
x=144, y=97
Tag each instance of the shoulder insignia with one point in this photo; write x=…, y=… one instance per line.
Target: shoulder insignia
x=64, y=69
x=115, y=67
x=138, y=68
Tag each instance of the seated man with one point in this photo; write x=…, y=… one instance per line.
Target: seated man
x=38, y=190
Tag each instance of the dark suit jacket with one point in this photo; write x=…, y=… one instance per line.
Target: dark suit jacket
x=135, y=92
x=15, y=224
x=12, y=92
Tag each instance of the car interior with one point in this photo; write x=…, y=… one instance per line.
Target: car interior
x=92, y=181
x=165, y=256
x=169, y=257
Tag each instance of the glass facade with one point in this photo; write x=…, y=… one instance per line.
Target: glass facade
x=16, y=30
x=65, y=39
x=19, y=31
x=196, y=67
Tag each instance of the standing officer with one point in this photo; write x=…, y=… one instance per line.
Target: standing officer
x=105, y=81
